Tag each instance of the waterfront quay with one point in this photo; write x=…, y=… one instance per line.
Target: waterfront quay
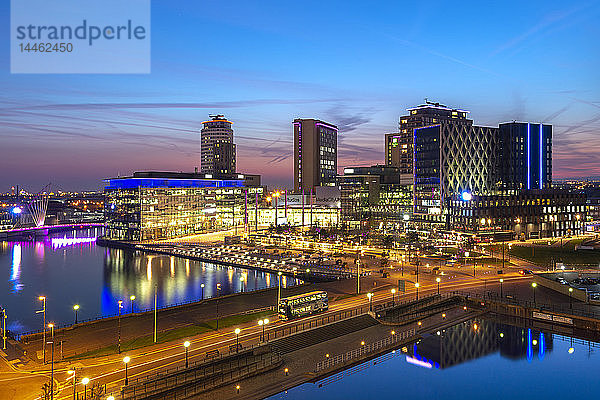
x=289, y=263
x=223, y=327
x=315, y=349
x=103, y=363
x=44, y=230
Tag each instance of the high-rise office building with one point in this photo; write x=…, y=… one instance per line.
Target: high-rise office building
x=315, y=154
x=524, y=156
x=399, y=146
x=216, y=146
x=488, y=179
x=451, y=158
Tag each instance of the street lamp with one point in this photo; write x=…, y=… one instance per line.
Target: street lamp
x=217, y=303
x=276, y=195
x=417, y=286
x=393, y=293
x=237, y=339
x=43, y=310
x=263, y=323
x=84, y=382
x=534, y=285
x=74, y=373
x=126, y=360
x=76, y=308
x=570, y=298
x=132, y=299
x=278, y=288
x=186, y=344
x=3, y=329
x=202, y=287
x=370, y=296
x=119, y=324
x=51, y=326
x=438, y=280
x=501, y=293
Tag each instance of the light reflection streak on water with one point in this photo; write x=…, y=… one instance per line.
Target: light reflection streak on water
x=97, y=277
x=39, y=250
x=542, y=349
x=529, y=346
x=15, y=274
x=149, y=269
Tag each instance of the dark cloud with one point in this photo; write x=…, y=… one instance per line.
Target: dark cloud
x=347, y=120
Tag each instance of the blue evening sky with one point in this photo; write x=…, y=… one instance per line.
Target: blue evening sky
x=357, y=64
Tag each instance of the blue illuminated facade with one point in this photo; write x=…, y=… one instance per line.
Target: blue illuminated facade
x=525, y=156
x=134, y=183
x=162, y=205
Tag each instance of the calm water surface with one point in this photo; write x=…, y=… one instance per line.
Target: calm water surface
x=493, y=361
x=68, y=268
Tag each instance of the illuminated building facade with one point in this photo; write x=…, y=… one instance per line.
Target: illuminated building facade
x=399, y=146
x=524, y=156
x=529, y=213
x=322, y=216
x=451, y=158
x=460, y=170
x=217, y=150
x=315, y=154
x=374, y=196
x=163, y=205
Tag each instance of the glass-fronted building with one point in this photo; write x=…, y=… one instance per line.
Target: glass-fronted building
x=451, y=158
x=529, y=213
x=374, y=197
x=524, y=156
x=159, y=205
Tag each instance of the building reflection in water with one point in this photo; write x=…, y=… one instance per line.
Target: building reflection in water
x=177, y=280
x=477, y=338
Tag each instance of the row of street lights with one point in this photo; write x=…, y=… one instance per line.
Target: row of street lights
x=127, y=359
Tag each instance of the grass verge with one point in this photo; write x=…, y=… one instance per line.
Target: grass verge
x=173, y=334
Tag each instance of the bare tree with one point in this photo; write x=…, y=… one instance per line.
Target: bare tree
x=97, y=391
x=46, y=394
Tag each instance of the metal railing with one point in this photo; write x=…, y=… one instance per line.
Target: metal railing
x=419, y=313
x=182, y=382
x=364, y=350
x=492, y=296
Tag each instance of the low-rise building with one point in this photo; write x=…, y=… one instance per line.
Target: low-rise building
x=529, y=214
x=375, y=196
x=165, y=205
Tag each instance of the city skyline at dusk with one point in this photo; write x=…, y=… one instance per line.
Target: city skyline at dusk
x=299, y=200
x=353, y=65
